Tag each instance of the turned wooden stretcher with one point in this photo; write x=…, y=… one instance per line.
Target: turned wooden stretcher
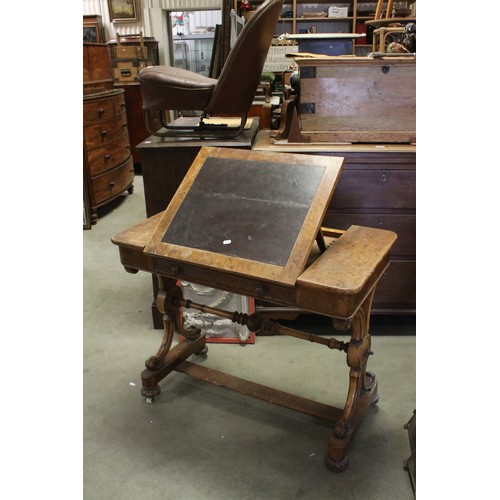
x=225, y=228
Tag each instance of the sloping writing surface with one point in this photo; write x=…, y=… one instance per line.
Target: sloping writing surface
x=250, y=213
x=245, y=209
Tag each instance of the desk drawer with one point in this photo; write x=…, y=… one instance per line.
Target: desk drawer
x=231, y=283
x=404, y=225
x=375, y=189
x=112, y=183
x=108, y=156
x=105, y=131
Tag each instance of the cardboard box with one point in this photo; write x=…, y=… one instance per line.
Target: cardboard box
x=338, y=11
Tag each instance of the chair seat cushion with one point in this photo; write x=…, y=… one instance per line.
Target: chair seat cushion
x=167, y=87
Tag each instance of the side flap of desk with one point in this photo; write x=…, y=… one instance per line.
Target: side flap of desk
x=131, y=243
x=340, y=279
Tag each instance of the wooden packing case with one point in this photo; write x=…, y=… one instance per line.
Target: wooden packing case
x=357, y=99
x=127, y=70
x=127, y=60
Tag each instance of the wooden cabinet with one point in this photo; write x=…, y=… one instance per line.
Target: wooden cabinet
x=97, y=76
x=108, y=163
x=93, y=29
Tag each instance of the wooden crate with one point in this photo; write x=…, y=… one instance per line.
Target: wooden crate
x=358, y=99
x=128, y=57
x=127, y=70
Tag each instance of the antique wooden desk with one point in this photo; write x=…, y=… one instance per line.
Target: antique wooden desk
x=250, y=222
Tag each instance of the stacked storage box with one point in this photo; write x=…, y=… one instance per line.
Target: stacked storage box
x=127, y=60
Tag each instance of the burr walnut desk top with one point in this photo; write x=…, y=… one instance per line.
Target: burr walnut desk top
x=246, y=222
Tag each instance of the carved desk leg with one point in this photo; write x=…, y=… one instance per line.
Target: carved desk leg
x=362, y=388
x=168, y=301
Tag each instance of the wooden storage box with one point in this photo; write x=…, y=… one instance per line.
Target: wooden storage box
x=127, y=70
x=128, y=52
x=357, y=99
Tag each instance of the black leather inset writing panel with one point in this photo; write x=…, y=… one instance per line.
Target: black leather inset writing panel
x=247, y=209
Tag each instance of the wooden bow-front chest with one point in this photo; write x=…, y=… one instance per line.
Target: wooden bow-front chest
x=108, y=163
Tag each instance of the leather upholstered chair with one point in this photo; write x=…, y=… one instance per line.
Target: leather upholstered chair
x=166, y=88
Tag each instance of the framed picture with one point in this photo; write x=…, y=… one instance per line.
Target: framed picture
x=123, y=11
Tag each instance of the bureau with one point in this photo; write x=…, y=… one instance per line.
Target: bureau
x=377, y=188
x=108, y=163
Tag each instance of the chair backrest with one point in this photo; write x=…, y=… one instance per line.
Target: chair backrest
x=240, y=75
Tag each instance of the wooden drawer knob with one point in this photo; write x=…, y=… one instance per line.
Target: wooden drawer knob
x=104, y=133
x=107, y=156
x=111, y=183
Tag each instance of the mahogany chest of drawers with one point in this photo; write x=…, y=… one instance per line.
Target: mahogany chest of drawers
x=379, y=190
x=108, y=163
x=376, y=188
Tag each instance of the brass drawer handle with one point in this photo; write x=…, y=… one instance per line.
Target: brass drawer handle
x=111, y=183
x=100, y=111
x=107, y=156
x=104, y=133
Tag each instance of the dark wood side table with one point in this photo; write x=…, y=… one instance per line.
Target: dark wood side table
x=165, y=162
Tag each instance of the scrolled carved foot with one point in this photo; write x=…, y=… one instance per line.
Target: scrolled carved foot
x=336, y=465
x=203, y=351
x=369, y=381
x=150, y=393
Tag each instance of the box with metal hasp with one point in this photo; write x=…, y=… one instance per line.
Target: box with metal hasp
x=128, y=60
x=354, y=99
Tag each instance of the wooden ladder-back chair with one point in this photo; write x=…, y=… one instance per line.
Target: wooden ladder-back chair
x=169, y=88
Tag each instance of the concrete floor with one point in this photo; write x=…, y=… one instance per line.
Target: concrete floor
x=198, y=441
